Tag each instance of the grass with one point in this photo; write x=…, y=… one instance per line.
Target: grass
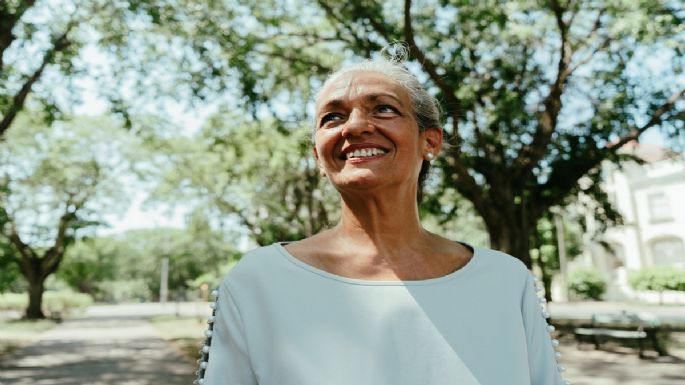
x=17, y=333
x=185, y=333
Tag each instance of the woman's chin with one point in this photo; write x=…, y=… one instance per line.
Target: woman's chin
x=358, y=180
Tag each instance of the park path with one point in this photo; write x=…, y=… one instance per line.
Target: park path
x=115, y=345
x=103, y=348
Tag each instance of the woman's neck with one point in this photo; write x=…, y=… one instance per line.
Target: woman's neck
x=384, y=223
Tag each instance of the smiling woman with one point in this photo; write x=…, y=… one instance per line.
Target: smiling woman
x=377, y=299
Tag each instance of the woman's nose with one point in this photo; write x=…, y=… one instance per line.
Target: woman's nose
x=357, y=123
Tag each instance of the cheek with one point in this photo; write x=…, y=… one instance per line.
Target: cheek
x=325, y=145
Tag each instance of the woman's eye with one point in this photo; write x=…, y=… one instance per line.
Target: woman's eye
x=386, y=108
x=329, y=117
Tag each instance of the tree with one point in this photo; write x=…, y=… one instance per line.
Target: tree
x=126, y=267
x=248, y=173
x=9, y=272
x=191, y=252
x=49, y=47
x=536, y=94
x=91, y=261
x=55, y=186
x=546, y=243
x=21, y=35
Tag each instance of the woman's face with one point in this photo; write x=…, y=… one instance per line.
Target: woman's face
x=367, y=135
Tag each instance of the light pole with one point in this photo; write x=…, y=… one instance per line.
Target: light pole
x=164, y=281
x=561, y=248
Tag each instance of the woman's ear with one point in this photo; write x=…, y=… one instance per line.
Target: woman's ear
x=432, y=141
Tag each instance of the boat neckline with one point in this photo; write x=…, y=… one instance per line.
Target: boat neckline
x=279, y=246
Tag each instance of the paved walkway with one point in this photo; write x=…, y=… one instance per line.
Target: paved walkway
x=114, y=345
x=621, y=367
x=98, y=349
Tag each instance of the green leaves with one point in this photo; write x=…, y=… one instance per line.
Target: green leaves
x=658, y=279
x=249, y=174
x=586, y=283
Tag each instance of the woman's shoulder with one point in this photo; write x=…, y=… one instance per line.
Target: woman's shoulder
x=252, y=264
x=500, y=260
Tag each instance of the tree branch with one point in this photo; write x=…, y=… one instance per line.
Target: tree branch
x=588, y=38
x=451, y=101
x=59, y=43
x=330, y=13
x=27, y=256
x=7, y=23
x=656, y=119
x=565, y=177
x=321, y=69
x=530, y=154
x=463, y=181
x=53, y=256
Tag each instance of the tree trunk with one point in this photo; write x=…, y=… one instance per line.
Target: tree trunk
x=36, y=290
x=511, y=239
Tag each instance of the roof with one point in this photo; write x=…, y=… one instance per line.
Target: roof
x=648, y=152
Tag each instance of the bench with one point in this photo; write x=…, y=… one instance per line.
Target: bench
x=621, y=326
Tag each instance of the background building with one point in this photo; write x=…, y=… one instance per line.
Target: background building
x=651, y=198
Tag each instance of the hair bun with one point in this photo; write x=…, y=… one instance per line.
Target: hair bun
x=396, y=52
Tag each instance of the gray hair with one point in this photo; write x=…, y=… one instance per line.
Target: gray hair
x=425, y=106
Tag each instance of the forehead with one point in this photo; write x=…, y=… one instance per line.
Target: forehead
x=361, y=85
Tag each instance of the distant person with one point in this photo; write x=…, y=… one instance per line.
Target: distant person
x=377, y=299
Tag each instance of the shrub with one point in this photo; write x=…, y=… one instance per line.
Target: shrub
x=658, y=279
x=64, y=301
x=53, y=301
x=135, y=290
x=13, y=301
x=587, y=283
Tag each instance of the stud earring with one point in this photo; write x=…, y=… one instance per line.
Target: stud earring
x=430, y=156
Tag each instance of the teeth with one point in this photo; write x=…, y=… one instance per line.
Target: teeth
x=365, y=152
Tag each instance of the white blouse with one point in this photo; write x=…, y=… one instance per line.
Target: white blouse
x=280, y=321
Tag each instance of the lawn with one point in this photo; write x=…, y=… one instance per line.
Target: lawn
x=186, y=333
x=17, y=333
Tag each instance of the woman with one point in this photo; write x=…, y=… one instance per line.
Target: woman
x=377, y=299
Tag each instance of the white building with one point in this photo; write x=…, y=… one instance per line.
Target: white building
x=651, y=198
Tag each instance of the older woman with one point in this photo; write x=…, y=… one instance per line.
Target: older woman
x=377, y=299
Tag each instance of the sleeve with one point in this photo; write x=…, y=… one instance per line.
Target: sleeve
x=225, y=357
x=542, y=356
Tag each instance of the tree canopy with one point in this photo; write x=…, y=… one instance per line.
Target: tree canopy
x=536, y=93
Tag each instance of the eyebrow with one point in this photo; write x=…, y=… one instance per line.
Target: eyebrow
x=337, y=103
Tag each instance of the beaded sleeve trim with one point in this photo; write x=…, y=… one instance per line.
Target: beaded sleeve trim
x=539, y=288
x=204, y=352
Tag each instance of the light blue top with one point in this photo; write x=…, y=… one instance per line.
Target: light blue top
x=280, y=321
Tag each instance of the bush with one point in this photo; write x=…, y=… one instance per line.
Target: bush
x=135, y=290
x=53, y=301
x=658, y=279
x=13, y=301
x=65, y=301
x=587, y=284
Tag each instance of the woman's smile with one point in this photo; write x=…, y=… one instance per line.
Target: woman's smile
x=362, y=153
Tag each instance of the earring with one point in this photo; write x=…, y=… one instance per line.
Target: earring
x=430, y=156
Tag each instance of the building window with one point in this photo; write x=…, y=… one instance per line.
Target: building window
x=668, y=252
x=659, y=209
